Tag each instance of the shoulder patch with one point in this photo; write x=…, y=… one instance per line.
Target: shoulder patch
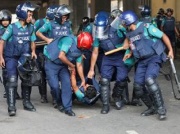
x=146, y=25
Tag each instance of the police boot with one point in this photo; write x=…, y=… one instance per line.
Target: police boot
x=157, y=97
x=118, y=94
x=26, y=101
x=105, y=94
x=135, y=101
x=148, y=102
x=125, y=96
x=11, y=101
x=11, y=87
x=43, y=92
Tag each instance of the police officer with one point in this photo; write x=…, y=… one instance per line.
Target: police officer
x=62, y=54
x=169, y=28
x=39, y=50
x=5, y=20
x=148, y=49
x=160, y=17
x=146, y=15
x=60, y=26
x=19, y=38
x=109, y=38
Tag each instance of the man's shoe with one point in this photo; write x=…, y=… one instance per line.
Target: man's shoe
x=44, y=99
x=119, y=105
x=60, y=108
x=70, y=113
x=148, y=112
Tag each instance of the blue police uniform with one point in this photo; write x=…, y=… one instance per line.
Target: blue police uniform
x=57, y=71
x=18, y=41
x=148, y=49
x=111, y=63
x=168, y=25
x=40, y=59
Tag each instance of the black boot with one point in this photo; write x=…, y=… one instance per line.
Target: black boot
x=105, y=94
x=148, y=102
x=26, y=101
x=157, y=97
x=125, y=96
x=11, y=101
x=135, y=100
x=118, y=94
x=43, y=92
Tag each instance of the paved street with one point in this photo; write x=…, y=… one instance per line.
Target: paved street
x=88, y=120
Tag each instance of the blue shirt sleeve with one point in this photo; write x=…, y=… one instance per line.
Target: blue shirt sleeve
x=65, y=43
x=96, y=43
x=155, y=32
x=45, y=28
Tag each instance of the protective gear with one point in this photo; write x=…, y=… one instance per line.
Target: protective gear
x=138, y=39
x=22, y=10
x=169, y=10
x=84, y=40
x=126, y=18
x=145, y=11
x=28, y=71
x=72, y=54
x=50, y=12
x=20, y=42
x=105, y=94
x=115, y=13
x=63, y=10
x=26, y=91
x=5, y=15
x=118, y=94
x=101, y=25
x=161, y=11
x=11, y=87
x=112, y=40
x=85, y=20
x=157, y=97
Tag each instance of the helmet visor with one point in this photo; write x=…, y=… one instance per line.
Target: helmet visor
x=100, y=32
x=117, y=22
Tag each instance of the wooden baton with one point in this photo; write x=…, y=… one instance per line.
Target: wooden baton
x=114, y=50
x=40, y=43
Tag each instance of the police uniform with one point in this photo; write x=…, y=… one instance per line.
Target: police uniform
x=40, y=59
x=110, y=63
x=57, y=71
x=18, y=40
x=148, y=49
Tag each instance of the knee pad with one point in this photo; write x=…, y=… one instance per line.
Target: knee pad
x=152, y=85
x=104, y=82
x=138, y=90
x=12, y=81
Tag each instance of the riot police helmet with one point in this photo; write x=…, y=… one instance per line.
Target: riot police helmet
x=5, y=15
x=145, y=11
x=22, y=10
x=50, y=12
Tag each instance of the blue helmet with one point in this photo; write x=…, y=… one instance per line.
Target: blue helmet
x=5, y=15
x=145, y=11
x=128, y=17
x=50, y=12
x=22, y=10
x=101, y=22
x=101, y=19
x=63, y=10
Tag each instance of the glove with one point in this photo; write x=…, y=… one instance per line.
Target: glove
x=79, y=95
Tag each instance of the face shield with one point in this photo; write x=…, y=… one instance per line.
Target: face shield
x=118, y=23
x=100, y=32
